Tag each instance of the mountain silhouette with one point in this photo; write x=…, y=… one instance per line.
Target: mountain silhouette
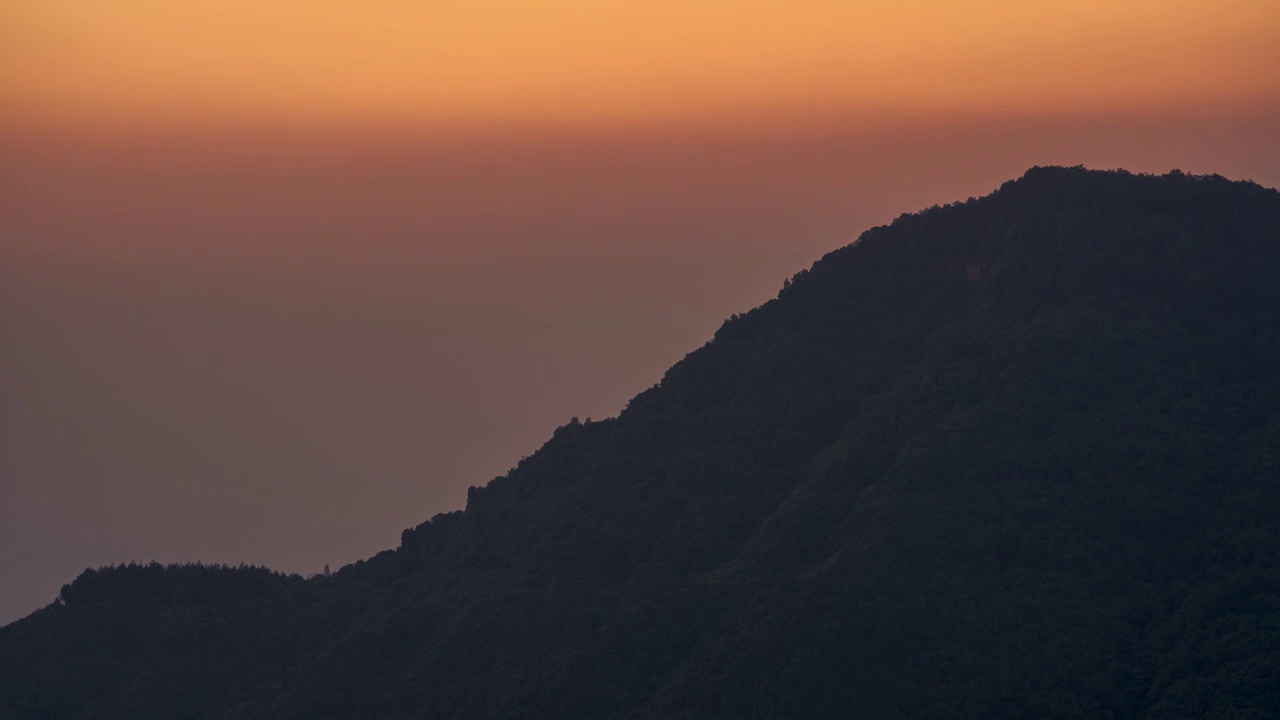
x=1015, y=457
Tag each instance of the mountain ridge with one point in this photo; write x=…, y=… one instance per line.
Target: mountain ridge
x=1054, y=406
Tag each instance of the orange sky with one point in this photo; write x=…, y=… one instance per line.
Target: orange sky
x=505, y=62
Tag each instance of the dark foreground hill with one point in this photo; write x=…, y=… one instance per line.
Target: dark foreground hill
x=1015, y=457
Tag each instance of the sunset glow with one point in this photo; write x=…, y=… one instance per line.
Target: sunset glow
x=510, y=62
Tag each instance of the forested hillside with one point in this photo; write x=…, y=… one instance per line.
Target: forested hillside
x=1013, y=457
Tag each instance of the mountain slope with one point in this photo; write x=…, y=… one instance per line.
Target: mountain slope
x=1016, y=457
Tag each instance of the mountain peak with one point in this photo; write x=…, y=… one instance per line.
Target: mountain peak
x=1010, y=457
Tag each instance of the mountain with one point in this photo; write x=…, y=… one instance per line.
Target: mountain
x=1012, y=457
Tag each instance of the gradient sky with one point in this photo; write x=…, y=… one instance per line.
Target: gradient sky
x=624, y=61
x=280, y=278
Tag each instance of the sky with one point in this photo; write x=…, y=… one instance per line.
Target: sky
x=281, y=278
